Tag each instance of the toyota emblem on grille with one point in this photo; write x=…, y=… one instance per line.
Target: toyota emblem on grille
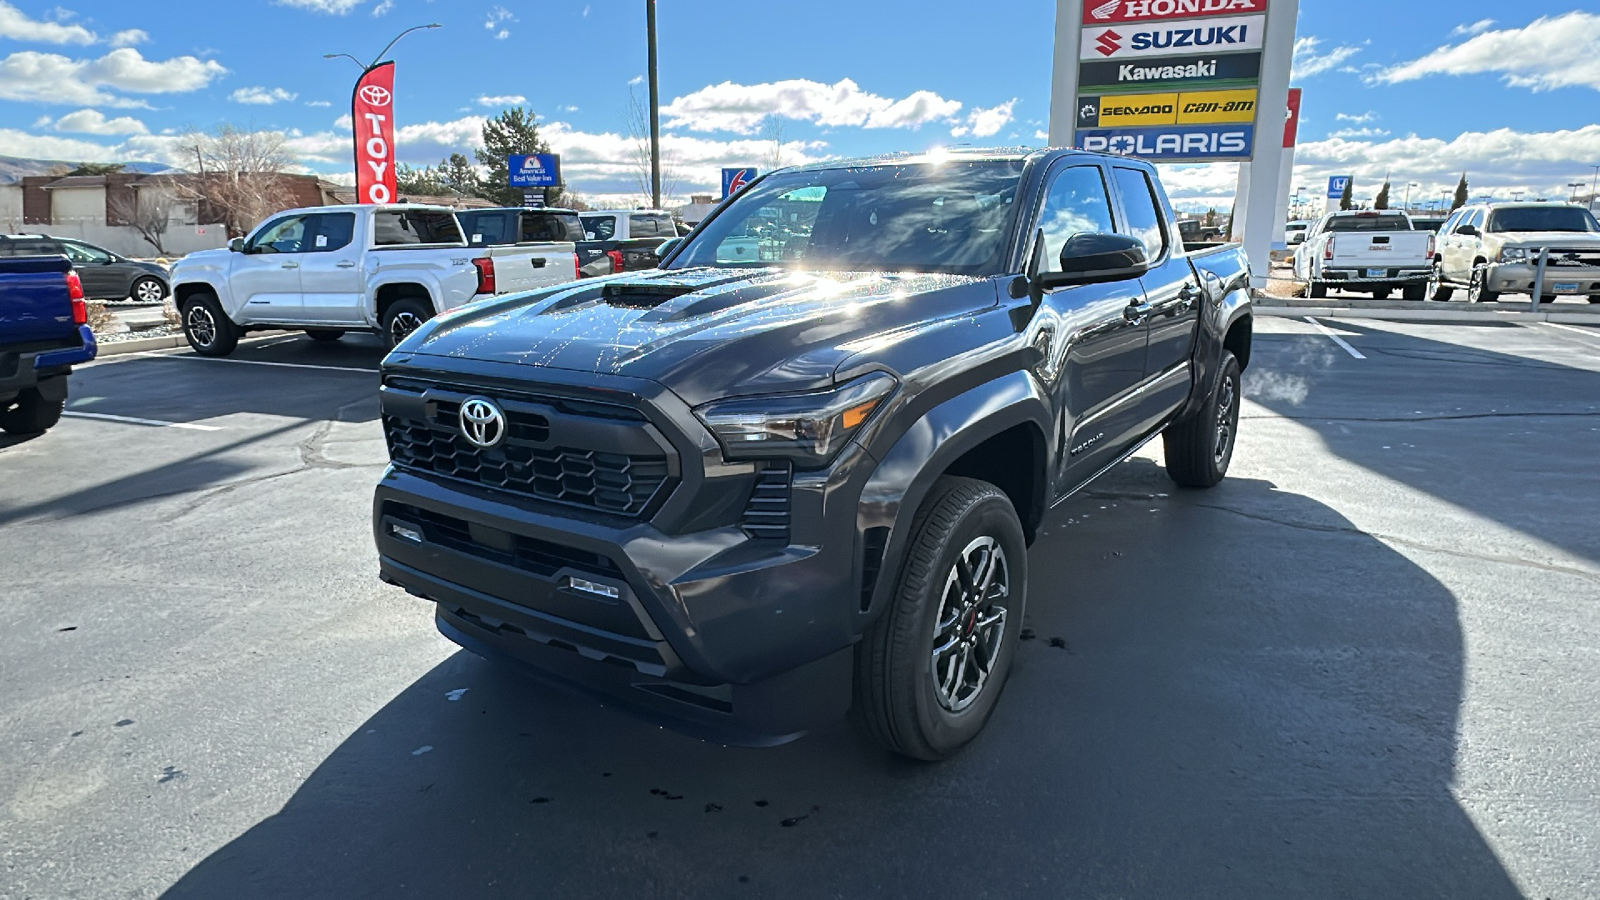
x=482, y=422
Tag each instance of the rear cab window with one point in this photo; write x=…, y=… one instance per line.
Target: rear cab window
x=488, y=229
x=600, y=228
x=540, y=227
x=405, y=227
x=1369, y=223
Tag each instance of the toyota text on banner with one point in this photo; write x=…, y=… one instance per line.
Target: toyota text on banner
x=372, y=114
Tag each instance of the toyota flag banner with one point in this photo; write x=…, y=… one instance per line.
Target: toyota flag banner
x=372, y=112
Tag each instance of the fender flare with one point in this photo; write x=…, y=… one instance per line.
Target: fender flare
x=217, y=286
x=428, y=283
x=1219, y=320
x=924, y=451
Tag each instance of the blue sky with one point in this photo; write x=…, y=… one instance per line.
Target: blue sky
x=1510, y=93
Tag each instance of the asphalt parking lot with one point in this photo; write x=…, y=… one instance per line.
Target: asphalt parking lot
x=1364, y=666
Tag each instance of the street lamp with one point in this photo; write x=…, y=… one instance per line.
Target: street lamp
x=379, y=58
x=1409, y=186
x=1517, y=194
x=1574, y=185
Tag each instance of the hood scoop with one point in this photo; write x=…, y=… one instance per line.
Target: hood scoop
x=644, y=295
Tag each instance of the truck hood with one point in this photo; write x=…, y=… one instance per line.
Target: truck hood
x=202, y=258
x=704, y=333
x=1536, y=239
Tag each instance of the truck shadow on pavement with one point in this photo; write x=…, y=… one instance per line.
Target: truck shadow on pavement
x=1206, y=708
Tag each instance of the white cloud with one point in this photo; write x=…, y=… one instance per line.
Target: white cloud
x=129, y=38
x=41, y=146
x=497, y=18
x=93, y=121
x=318, y=103
x=1551, y=52
x=1477, y=27
x=637, y=79
x=382, y=9
x=1308, y=62
x=586, y=10
x=1359, y=132
x=502, y=100
x=740, y=108
x=1041, y=135
x=331, y=7
x=52, y=78
x=985, y=122
x=1356, y=118
x=260, y=96
x=15, y=25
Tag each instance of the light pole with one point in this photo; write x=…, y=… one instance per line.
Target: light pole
x=1574, y=185
x=1593, y=183
x=655, y=108
x=379, y=58
x=1517, y=194
x=1409, y=186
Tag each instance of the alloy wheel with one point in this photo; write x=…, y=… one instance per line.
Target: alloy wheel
x=1227, y=401
x=401, y=326
x=149, y=291
x=971, y=624
x=201, y=326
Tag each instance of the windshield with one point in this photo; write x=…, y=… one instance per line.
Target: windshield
x=950, y=217
x=1369, y=223
x=1542, y=218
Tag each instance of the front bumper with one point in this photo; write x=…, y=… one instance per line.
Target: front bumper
x=730, y=637
x=1518, y=277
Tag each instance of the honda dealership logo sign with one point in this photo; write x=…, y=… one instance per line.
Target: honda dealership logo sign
x=1220, y=35
x=1097, y=12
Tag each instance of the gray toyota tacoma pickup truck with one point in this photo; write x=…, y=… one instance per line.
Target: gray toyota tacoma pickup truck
x=743, y=497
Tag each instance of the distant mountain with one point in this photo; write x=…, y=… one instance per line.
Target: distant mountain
x=14, y=169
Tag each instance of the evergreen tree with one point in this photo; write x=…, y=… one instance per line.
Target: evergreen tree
x=1461, y=194
x=1382, y=200
x=1346, y=198
x=424, y=181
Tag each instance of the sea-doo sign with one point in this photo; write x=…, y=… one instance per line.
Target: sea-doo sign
x=1188, y=108
x=1214, y=35
x=1104, y=12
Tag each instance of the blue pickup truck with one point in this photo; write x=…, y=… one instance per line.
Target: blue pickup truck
x=44, y=332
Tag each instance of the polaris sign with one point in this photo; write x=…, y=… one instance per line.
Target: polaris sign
x=1217, y=35
x=1213, y=143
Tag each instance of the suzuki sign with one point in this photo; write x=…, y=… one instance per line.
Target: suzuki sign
x=1223, y=35
x=372, y=117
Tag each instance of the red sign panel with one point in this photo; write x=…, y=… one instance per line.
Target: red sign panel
x=1104, y=12
x=1291, y=127
x=372, y=112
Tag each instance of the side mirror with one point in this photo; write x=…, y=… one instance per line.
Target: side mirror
x=668, y=246
x=1089, y=258
x=236, y=245
x=1467, y=230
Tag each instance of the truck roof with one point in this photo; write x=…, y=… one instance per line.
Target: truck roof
x=352, y=207
x=625, y=212
x=960, y=153
x=520, y=209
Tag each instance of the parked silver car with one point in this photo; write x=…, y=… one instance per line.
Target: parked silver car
x=1494, y=249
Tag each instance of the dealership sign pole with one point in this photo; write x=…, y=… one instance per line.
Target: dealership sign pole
x=372, y=117
x=1180, y=81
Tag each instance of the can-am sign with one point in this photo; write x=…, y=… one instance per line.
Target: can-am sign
x=1219, y=35
x=372, y=115
x=1099, y=12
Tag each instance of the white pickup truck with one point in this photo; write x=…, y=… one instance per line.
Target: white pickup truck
x=332, y=269
x=1372, y=251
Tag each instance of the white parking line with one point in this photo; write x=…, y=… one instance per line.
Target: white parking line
x=1335, y=338
x=131, y=420
x=1586, y=332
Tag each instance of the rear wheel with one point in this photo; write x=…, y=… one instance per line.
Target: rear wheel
x=1478, y=290
x=1594, y=298
x=1548, y=298
x=404, y=317
x=324, y=335
x=1436, y=289
x=1316, y=290
x=1414, y=292
x=1198, y=449
x=30, y=413
x=148, y=290
x=208, y=329
x=930, y=670
x=1380, y=293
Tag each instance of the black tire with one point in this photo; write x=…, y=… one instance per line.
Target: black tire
x=1436, y=289
x=324, y=335
x=1476, y=292
x=147, y=289
x=30, y=413
x=1594, y=298
x=899, y=700
x=1380, y=293
x=1414, y=293
x=1548, y=298
x=1316, y=290
x=1199, y=448
x=404, y=317
x=208, y=329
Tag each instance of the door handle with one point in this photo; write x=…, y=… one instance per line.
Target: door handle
x=347, y=264
x=1135, y=312
x=539, y=261
x=291, y=265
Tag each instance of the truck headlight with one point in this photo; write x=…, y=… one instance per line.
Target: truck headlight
x=808, y=428
x=1513, y=254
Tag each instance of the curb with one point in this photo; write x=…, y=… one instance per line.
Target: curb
x=1484, y=317
x=141, y=345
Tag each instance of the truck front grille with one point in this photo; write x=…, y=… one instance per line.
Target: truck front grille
x=591, y=456
x=766, y=515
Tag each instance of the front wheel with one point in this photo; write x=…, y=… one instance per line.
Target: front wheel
x=1199, y=448
x=404, y=317
x=1478, y=289
x=1414, y=292
x=30, y=413
x=148, y=290
x=208, y=329
x=930, y=670
x=1436, y=289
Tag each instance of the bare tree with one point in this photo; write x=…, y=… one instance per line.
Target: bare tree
x=639, y=131
x=772, y=133
x=147, y=211
x=239, y=175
